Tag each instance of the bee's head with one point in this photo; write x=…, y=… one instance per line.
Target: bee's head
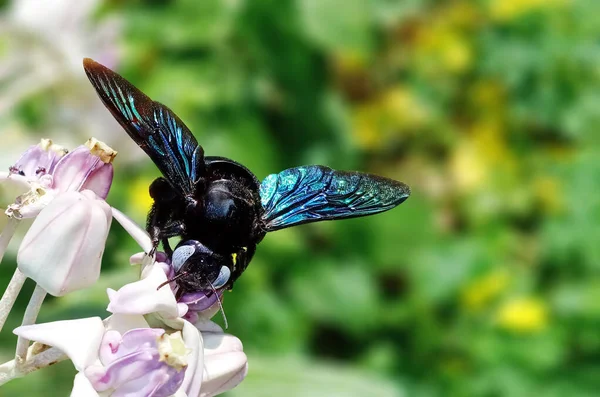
x=197, y=268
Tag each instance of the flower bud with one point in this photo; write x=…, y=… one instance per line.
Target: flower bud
x=89, y=166
x=62, y=250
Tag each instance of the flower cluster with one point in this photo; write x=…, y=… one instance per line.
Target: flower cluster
x=152, y=344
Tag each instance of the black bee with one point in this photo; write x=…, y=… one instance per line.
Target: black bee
x=216, y=205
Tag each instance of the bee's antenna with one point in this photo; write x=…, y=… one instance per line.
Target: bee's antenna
x=171, y=279
x=220, y=304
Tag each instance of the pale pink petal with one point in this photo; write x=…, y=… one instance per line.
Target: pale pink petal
x=219, y=343
x=82, y=387
x=62, y=251
x=101, y=181
x=192, y=382
x=143, y=297
x=86, y=167
x=79, y=339
x=223, y=372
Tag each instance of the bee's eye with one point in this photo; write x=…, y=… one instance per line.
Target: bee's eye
x=182, y=254
x=223, y=277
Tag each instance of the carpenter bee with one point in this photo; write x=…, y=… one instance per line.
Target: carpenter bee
x=217, y=206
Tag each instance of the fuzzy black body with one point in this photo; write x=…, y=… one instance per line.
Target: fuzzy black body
x=216, y=205
x=224, y=215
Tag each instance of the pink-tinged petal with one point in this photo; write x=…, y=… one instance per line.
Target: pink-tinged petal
x=192, y=383
x=156, y=384
x=87, y=167
x=62, y=251
x=100, y=181
x=122, y=370
x=129, y=342
x=138, y=234
x=39, y=159
x=82, y=387
x=223, y=372
x=143, y=297
x=140, y=362
x=79, y=339
x=110, y=346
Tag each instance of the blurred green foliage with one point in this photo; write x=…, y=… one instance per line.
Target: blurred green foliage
x=486, y=282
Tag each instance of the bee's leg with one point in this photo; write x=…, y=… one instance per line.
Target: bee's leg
x=154, y=226
x=172, y=229
x=160, y=223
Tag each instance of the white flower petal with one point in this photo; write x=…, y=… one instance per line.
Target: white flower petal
x=142, y=297
x=137, y=259
x=192, y=382
x=125, y=322
x=17, y=184
x=82, y=387
x=138, y=234
x=219, y=343
x=79, y=339
x=62, y=251
x=223, y=372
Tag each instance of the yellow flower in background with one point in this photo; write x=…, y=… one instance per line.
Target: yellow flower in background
x=443, y=41
x=482, y=291
x=506, y=10
x=442, y=47
x=481, y=152
x=388, y=116
x=523, y=315
x=139, y=197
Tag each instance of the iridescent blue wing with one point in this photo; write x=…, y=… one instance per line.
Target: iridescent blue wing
x=315, y=193
x=153, y=126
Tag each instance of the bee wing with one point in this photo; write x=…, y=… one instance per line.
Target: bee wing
x=152, y=125
x=316, y=193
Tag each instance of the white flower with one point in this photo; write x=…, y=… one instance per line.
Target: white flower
x=126, y=355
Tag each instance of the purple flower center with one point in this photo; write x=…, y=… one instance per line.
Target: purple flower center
x=133, y=364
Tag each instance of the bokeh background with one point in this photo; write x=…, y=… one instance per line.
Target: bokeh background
x=485, y=282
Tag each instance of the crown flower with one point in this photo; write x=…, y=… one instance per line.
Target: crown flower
x=155, y=342
x=48, y=171
x=65, y=193
x=124, y=355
